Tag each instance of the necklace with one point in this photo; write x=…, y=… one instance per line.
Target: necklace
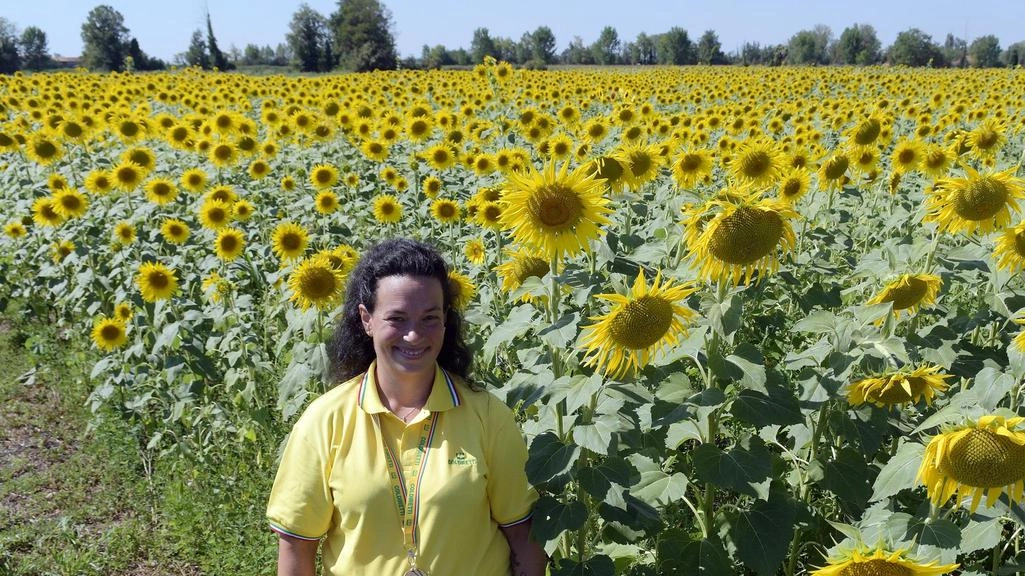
x=410, y=414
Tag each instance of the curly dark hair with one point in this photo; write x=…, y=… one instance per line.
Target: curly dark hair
x=351, y=350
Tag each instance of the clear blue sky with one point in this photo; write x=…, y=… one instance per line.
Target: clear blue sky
x=164, y=27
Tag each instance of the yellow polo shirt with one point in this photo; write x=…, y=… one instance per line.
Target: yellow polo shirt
x=333, y=480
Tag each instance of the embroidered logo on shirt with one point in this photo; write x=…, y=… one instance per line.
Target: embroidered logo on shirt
x=462, y=459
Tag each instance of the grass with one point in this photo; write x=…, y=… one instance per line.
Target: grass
x=75, y=496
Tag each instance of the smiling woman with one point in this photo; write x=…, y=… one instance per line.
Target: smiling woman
x=404, y=468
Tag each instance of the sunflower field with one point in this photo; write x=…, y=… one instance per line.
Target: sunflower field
x=752, y=320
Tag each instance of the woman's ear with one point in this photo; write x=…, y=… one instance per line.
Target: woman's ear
x=365, y=317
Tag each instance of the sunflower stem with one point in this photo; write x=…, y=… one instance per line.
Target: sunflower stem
x=708, y=505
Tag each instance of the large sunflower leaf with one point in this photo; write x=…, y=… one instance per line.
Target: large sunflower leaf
x=777, y=405
x=744, y=468
x=848, y=476
x=900, y=472
x=549, y=457
x=762, y=533
x=552, y=517
x=676, y=553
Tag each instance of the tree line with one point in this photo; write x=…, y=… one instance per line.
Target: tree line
x=358, y=36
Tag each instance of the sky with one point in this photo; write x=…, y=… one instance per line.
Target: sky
x=164, y=28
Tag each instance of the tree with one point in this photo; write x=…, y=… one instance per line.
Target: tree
x=362, y=37
x=955, y=51
x=542, y=45
x=675, y=47
x=34, y=52
x=251, y=55
x=606, y=48
x=140, y=61
x=104, y=39
x=482, y=46
x=710, y=49
x=644, y=50
x=915, y=48
x=810, y=46
x=436, y=57
x=985, y=52
x=1015, y=55
x=10, y=58
x=577, y=53
x=858, y=44
x=217, y=59
x=196, y=54
x=309, y=38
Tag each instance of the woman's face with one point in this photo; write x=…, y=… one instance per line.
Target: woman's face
x=407, y=326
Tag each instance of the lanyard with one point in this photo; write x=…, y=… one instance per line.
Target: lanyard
x=406, y=492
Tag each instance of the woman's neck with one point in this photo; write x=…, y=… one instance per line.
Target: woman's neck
x=402, y=391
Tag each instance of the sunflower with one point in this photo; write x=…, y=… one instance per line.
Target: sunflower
x=124, y=233
x=734, y=236
x=833, y=172
x=44, y=212
x=880, y=562
x=15, y=230
x=223, y=155
x=229, y=243
x=986, y=139
x=326, y=202
x=142, y=157
x=906, y=156
x=161, y=191
x=445, y=211
x=596, y=130
x=323, y=176
x=640, y=162
x=794, y=184
x=288, y=183
x=387, y=209
x=982, y=457
x=289, y=241
x=1010, y=249
x=475, y=251
x=909, y=292
x=242, y=210
x=109, y=334
x=56, y=182
x=756, y=165
x=99, y=182
x=43, y=150
x=640, y=325
x=127, y=175
x=489, y=215
x=156, y=281
x=315, y=282
x=440, y=156
x=936, y=160
x=519, y=265
x=70, y=203
x=557, y=212
x=194, y=180
x=976, y=203
x=61, y=250
x=258, y=169
x=866, y=132
x=691, y=167
x=610, y=169
x=462, y=289
x=375, y=150
x=431, y=186
x=898, y=388
x=174, y=231
x=214, y=214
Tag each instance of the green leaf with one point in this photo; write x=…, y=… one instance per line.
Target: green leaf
x=848, y=476
x=900, y=472
x=654, y=486
x=518, y=323
x=611, y=471
x=743, y=469
x=598, y=565
x=749, y=360
x=552, y=517
x=777, y=405
x=549, y=457
x=596, y=436
x=762, y=533
x=818, y=322
x=677, y=554
x=992, y=387
x=563, y=332
x=983, y=535
x=938, y=533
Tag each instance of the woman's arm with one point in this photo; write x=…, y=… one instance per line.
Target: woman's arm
x=526, y=556
x=296, y=557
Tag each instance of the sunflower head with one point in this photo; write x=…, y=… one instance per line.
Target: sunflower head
x=975, y=203
x=756, y=165
x=462, y=288
x=639, y=325
x=880, y=562
x=109, y=334
x=387, y=209
x=289, y=240
x=229, y=243
x=156, y=281
x=316, y=283
x=445, y=211
x=909, y=292
x=899, y=388
x=985, y=457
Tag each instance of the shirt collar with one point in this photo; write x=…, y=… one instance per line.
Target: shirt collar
x=443, y=396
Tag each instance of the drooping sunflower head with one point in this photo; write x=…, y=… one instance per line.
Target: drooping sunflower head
x=833, y=171
x=156, y=281
x=1010, y=249
x=316, y=283
x=899, y=388
x=556, y=212
x=975, y=203
x=866, y=561
x=735, y=236
x=289, y=240
x=519, y=265
x=640, y=325
x=462, y=288
x=909, y=292
x=985, y=457
x=612, y=170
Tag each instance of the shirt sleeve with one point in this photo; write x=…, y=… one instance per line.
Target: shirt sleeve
x=510, y=495
x=300, y=502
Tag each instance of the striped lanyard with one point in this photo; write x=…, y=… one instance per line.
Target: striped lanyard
x=406, y=491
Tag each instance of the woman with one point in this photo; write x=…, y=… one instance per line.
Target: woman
x=403, y=468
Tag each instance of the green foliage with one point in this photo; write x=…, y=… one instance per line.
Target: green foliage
x=984, y=52
x=363, y=39
x=10, y=57
x=709, y=49
x=915, y=48
x=809, y=46
x=606, y=48
x=104, y=39
x=309, y=38
x=858, y=44
x=34, y=52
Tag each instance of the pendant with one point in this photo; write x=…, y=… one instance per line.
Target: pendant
x=415, y=572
